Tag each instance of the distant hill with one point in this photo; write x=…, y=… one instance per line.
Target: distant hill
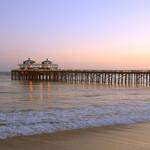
x=4, y=73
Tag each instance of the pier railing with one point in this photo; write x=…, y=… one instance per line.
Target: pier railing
x=114, y=77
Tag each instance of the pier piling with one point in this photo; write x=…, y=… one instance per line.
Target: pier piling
x=112, y=77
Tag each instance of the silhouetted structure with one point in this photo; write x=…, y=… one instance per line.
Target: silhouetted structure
x=113, y=77
x=32, y=65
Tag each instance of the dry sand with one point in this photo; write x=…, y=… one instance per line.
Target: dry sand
x=119, y=137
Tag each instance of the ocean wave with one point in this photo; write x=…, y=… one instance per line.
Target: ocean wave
x=53, y=120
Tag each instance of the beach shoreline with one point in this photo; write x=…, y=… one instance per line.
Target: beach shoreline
x=115, y=137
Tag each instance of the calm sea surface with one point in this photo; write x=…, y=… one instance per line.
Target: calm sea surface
x=29, y=107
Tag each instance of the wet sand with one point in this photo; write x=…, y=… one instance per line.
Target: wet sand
x=118, y=137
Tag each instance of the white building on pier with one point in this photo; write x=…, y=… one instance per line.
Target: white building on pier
x=32, y=65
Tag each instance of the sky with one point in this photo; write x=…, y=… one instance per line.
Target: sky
x=76, y=34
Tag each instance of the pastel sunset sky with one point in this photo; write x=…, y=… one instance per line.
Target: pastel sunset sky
x=76, y=34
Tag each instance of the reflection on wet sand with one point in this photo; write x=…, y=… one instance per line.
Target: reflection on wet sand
x=118, y=137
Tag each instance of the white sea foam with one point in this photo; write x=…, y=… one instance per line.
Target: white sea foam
x=35, y=122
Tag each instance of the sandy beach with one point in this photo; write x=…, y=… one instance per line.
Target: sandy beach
x=118, y=137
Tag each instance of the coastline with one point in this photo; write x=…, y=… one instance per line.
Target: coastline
x=116, y=137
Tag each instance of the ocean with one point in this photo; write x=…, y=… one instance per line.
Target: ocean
x=35, y=107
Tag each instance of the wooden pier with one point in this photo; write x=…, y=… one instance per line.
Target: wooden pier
x=113, y=77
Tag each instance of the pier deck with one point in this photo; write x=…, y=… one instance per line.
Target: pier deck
x=126, y=77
